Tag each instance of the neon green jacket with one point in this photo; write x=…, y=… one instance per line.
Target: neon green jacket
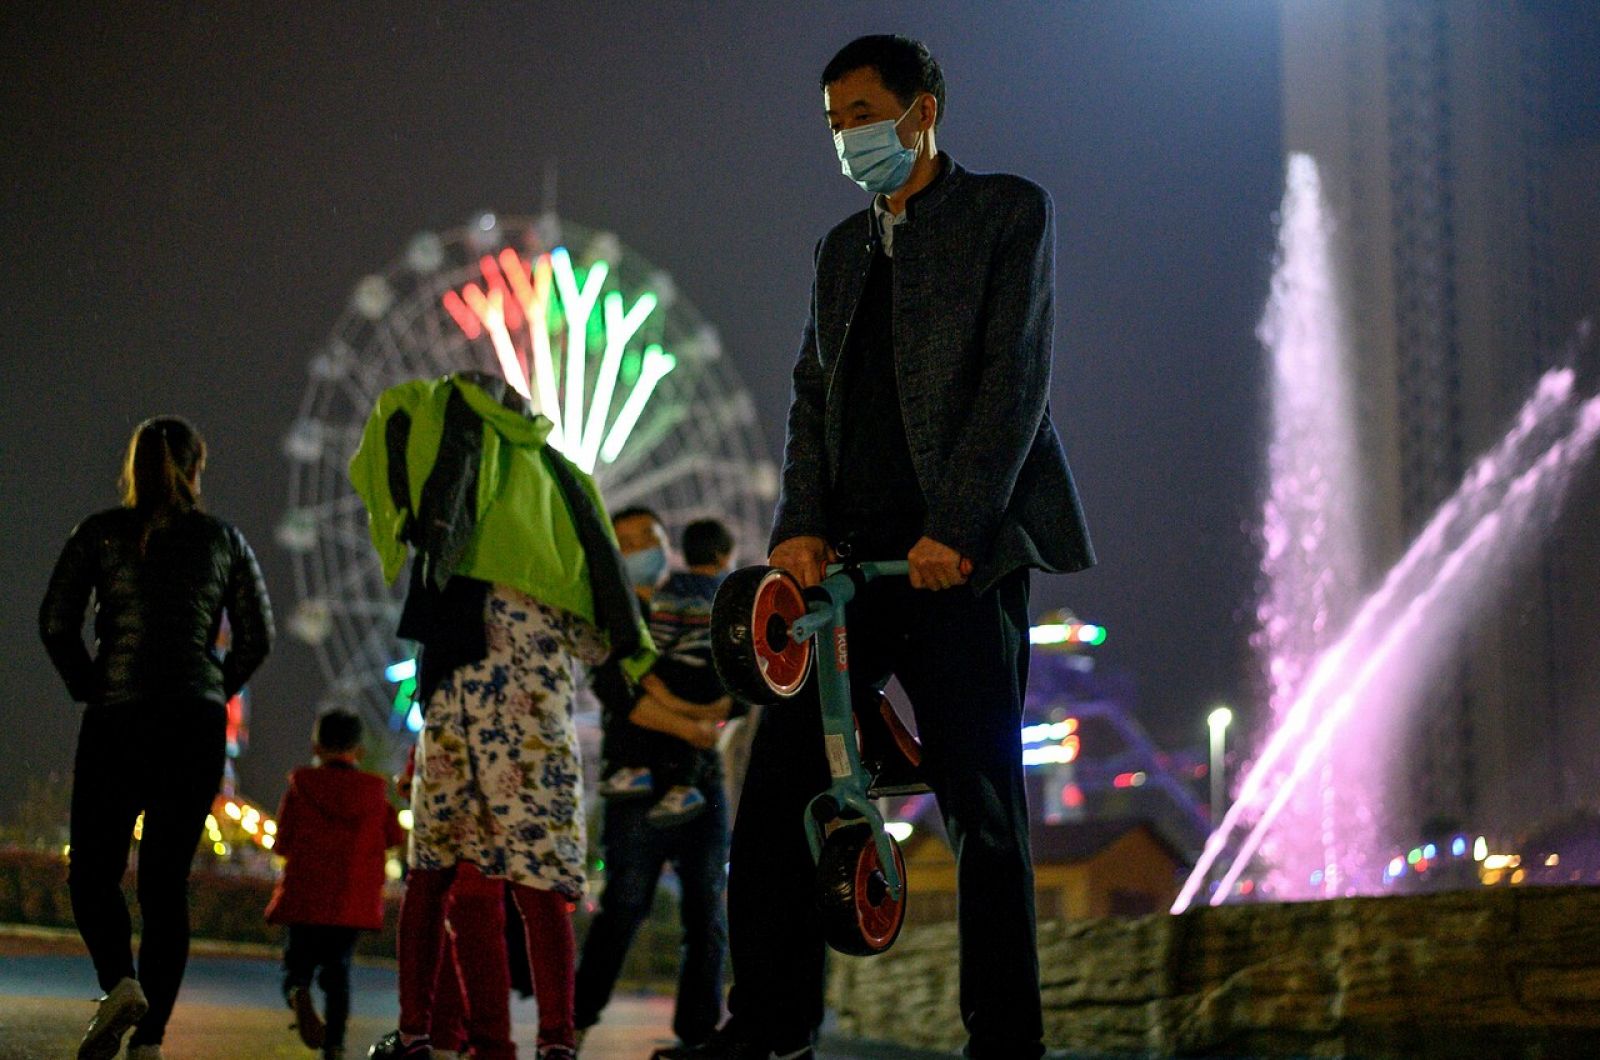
x=524, y=536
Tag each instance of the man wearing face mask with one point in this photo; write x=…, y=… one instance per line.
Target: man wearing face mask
x=638, y=840
x=919, y=429
x=642, y=541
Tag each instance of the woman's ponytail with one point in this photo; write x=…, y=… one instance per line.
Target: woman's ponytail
x=158, y=476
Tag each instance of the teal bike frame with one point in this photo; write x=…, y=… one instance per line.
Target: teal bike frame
x=847, y=795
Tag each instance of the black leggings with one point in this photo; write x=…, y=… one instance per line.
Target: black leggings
x=163, y=758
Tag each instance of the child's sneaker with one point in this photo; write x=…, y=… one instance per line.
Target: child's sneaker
x=628, y=783
x=680, y=805
x=306, y=1018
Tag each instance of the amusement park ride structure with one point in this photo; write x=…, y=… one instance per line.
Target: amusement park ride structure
x=597, y=338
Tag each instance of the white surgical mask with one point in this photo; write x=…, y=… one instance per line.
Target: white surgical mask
x=873, y=156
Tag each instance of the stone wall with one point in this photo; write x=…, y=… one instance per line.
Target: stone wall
x=1486, y=973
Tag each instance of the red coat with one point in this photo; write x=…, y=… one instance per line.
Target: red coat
x=334, y=830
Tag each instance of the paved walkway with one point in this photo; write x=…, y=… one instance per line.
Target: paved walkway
x=229, y=1011
x=36, y=1028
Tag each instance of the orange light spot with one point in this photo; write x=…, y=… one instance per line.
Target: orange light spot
x=464, y=318
x=520, y=275
x=497, y=285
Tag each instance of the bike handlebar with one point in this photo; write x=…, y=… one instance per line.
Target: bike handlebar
x=872, y=568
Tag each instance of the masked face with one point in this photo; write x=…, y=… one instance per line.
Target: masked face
x=646, y=567
x=643, y=543
x=873, y=156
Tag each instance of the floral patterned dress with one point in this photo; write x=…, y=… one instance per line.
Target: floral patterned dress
x=499, y=779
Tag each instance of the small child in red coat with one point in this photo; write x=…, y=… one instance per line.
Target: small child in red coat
x=335, y=828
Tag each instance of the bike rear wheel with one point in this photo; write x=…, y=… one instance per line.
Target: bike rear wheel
x=859, y=916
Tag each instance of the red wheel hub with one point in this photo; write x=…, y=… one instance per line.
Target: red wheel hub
x=878, y=914
x=783, y=661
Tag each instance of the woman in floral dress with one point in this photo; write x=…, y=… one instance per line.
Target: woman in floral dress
x=498, y=788
x=516, y=578
x=498, y=770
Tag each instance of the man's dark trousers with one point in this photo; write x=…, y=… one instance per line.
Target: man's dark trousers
x=635, y=853
x=963, y=661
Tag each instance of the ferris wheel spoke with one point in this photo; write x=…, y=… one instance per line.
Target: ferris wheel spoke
x=375, y=374
x=360, y=396
x=645, y=440
x=356, y=687
x=628, y=492
x=345, y=441
x=620, y=327
x=353, y=537
x=378, y=649
x=342, y=505
x=578, y=303
x=439, y=349
x=740, y=478
x=366, y=566
x=681, y=514
x=369, y=608
x=395, y=354
x=366, y=672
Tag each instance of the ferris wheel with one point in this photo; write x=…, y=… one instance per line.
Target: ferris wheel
x=596, y=337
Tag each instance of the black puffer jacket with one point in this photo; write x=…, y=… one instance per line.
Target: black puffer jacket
x=156, y=614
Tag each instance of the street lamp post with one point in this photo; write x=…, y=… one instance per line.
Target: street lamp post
x=1218, y=721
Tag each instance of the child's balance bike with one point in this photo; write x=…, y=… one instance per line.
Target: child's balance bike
x=765, y=632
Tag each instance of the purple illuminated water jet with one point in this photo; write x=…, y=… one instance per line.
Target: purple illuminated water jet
x=1346, y=674
x=1311, y=560
x=1388, y=681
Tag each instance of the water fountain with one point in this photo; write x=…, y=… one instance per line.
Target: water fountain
x=1311, y=557
x=1346, y=672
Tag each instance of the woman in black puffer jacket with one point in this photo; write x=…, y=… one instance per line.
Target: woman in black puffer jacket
x=163, y=574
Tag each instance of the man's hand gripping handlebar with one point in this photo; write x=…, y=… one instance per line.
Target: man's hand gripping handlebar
x=934, y=566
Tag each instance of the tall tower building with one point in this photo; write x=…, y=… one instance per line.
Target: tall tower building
x=1429, y=123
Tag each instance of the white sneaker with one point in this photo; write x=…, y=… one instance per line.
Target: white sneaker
x=144, y=1052
x=680, y=805
x=119, y=1010
x=628, y=783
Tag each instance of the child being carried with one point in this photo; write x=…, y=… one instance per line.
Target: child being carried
x=681, y=697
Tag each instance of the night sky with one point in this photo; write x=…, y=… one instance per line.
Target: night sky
x=188, y=202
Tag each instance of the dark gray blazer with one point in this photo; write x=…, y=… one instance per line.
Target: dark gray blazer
x=974, y=293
